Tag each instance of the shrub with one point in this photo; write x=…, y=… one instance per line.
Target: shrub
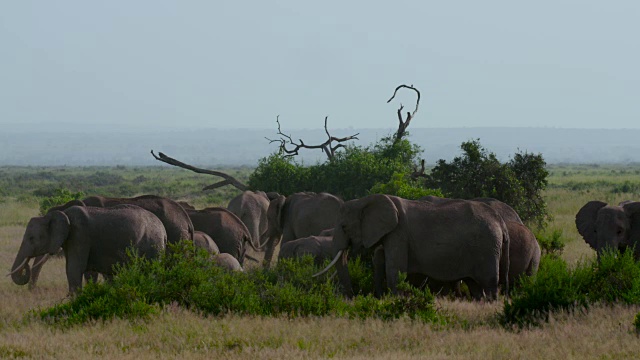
x=350, y=174
x=59, y=197
x=552, y=244
x=478, y=173
x=401, y=185
x=615, y=278
x=187, y=277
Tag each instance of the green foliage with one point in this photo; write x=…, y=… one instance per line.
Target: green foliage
x=636, y=323
x=59, y=197
x=478, y=173
x=186, y=277
x=616, y=278
x=350, y=174
x=401, y=185
x=551, y=244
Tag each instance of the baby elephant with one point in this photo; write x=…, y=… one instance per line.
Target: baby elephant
x=93, y=239
x=227, y=261
x=317, y=246
x=203, y=241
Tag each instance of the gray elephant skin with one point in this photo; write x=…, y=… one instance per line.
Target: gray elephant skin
x=610, y=226
x=319, y=247
x=251, y=207
x=227, y=231
x=93, y=239
x=524, y=250
x=298, y=216
x=227, y=261
x=448, y=242
x=203, y=241
x=174, y=218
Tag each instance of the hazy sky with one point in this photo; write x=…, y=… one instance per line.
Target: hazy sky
x=240, y=63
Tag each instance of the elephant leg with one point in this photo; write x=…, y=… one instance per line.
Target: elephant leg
x=75, y=268
x=90, y=276
x=379, y=274
x=268, y=255
x=475, y=289
x=396, y=252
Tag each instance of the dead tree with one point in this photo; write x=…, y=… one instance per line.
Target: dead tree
x=404, y=124
x=228, y=179
x=328, y=146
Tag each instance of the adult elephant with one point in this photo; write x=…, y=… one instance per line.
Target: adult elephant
x=447, y=242
x=225, y=228
x=524, y=250
x=177, y=224
x=319, y=247
x=251, y=207
x=610, y=226
x=93, y=239
x=297, y=216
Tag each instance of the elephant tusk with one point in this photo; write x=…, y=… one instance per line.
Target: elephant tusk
x=44, y=258
x=19, y=267
x=333, y=262
x=333, y=275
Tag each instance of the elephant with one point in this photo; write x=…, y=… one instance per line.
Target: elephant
x=524, y=259
x=524, y=250
x=610, y=226
x=317, y=246
x=297, y=216
x=174, y=218
x=449, y=241
x=227, y=231
x=506, y=211
x=203, y=241
x=227, y=261
x=93, y=239
x=251, y=207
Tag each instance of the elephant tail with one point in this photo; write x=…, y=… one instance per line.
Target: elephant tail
x=504, y=257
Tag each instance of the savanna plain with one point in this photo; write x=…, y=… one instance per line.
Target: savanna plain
x=467, y=329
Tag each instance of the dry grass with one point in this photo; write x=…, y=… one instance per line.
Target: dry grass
x=473, y=330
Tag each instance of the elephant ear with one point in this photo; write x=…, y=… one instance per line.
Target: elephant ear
x=379, y=217
x=59, y=225
x=632, y=210
x=586, y=221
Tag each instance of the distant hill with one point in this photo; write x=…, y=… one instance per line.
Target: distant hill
x=211, y=147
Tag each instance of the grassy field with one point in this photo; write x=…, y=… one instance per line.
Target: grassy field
x=604, y=332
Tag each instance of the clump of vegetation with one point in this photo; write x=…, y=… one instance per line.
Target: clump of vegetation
x=551, y=244
x=187, y=277
x=350, y=173
x=59, y=197
x=478, y=173
x=403, y=186
x=556, y=287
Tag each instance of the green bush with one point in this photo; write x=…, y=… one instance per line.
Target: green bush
x=186, y=277
x=551, y=244
x=478, y=173
x=350, y=174
x=616, y=278
x=401, y=185
x=59, y=197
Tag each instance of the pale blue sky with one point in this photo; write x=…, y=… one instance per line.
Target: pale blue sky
x=239, y=64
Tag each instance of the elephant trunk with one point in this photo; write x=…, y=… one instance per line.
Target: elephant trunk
x=21, y=271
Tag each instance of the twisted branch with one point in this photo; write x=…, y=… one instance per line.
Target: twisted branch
x=404, y=124
x=327, y=146
x=228, y=179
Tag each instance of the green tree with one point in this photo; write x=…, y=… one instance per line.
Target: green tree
x=478, y=173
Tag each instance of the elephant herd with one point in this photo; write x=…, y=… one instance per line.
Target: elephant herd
x=437, y=242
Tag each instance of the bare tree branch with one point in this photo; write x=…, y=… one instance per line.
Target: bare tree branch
x=404, y=124
x=326, y=146
x=229, y=180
